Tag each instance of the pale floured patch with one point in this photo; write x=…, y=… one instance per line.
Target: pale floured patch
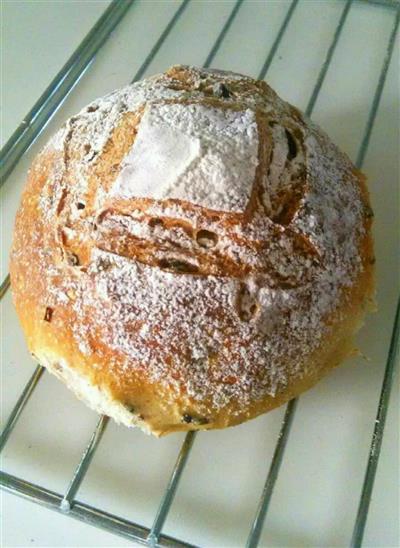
x=199, y=154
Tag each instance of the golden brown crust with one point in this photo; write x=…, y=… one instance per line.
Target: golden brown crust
x=174, y=316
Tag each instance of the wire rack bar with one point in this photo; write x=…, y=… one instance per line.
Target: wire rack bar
x=223, y=33
x=378, y=93
x=4, y=286
x=328, y=59
x=85, y=512
x=377, y=435
x=19, y=406
x=278, y=39
x=51, y=99
x=383, y=3
x=154, y=50
x=170, y=491
x=84, y=464
x=258, y=523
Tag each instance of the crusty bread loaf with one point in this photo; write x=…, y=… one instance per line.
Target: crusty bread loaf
x=190, y=252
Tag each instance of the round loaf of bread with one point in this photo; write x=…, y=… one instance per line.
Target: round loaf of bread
x=191, y=251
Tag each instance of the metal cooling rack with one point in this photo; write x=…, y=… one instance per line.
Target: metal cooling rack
x=21, y=140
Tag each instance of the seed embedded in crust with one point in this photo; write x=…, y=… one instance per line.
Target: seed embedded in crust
x=48, y=314
x=178, y=266
x=221, y=90
x=246, y=304
x=198, y=421
x=104, y=264
x=155, y=221
x=73, y=259
x=368, y=212
x=58, y=367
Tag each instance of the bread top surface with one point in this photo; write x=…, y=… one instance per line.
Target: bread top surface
x=191, y=232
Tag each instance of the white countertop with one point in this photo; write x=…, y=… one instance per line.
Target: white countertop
x=317, y=492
